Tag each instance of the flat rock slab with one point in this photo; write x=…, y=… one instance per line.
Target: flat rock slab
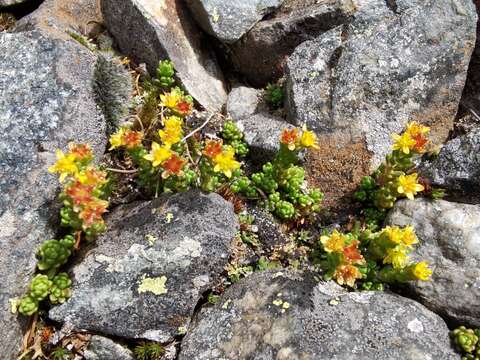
x=284, y=315
x=449, y=235
x=229, y=20
x=102, y=348
x=46, y=101
x=153, y=30
x=457, y=168
x=146, y=274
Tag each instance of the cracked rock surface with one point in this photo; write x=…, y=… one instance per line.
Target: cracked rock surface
x=146, y=274
x=449, y=235
x=285, y=315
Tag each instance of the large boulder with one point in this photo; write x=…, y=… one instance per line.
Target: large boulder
x=46, y=101
x=229, y=20
x=449, y=235
x=356, y=84
x=260, y=55
x=152, y=30
x=457, y=167
x=284, y=315
x=147, y=273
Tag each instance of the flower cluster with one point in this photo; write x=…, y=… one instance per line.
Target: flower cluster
x=394, y=178
x=281, y=183
x=467, y=342
x=84, y=204
x=84, y=189
x=371, y=257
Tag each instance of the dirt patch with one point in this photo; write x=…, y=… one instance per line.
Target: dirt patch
x=337, y=168
x=7, y=21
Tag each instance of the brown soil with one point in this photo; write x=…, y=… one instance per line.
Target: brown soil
x=337, y=168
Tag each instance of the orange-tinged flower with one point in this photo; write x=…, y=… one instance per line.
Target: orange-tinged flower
x=65, y=165
x=80, y=151
x=289, y=138
x=92, y=176
x=184, y=108
x=333, y=243
x=174, y=165
x=212, y=148
x=421, y=271
x=404, y=142
x=414, y=128
x=408, y=186
x=171, y=99
x=92, y=212
x=158, y=154
x=132, y=139
x=225, y=161
x=308, y=139
x=347, y=274
x=352, y=255
x=79, y=193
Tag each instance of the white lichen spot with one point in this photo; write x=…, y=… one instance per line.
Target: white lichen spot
x=415, y=326
x=153, y=285
x=286, y=305
x=334, y=302
x=14, y=304
x=150, y=239
x=277, y=302
x=187, y=248
x=215, y=16
x=277, y=275
x=8, y=227
x=169, y=217
x=226, y=304
x=182, y=330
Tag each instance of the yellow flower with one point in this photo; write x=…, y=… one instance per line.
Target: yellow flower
x=397, y=257
x=347, y=274
x=403, y=142
x=408, y=186
x=308, y=139
x=225, y=161
x=116, y=140
x=171, y=99
x=65, y=165
x=158, y=154
x=333, y=243
x=414, y=129
x=394, y=233
x=408, y=237
x=172, y=132
x=421, y=271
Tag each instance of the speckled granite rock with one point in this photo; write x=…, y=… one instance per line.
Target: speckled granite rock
x=269, y=229
x=152, y=30
x=148, y=271
x=242, y=102
x=262, y=134
x=283, y=315
x=360, y=82
x=457, y=168
x=449, y=235
x=229, y=20
x=260, y=55
x=46, y=101
x=101, y=348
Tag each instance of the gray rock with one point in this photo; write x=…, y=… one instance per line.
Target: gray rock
x=269, y=230
x=457, y=167
x=46, y=101
x=262, y=134
x=152, y=30
x=449, y=235
x=148, y=271
x=101, y=348
x=59, y=17
x=260, y=55
x=284, y=315
x=390, y=65
x=229, y=20
x=242, y=102
x=6, y=3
